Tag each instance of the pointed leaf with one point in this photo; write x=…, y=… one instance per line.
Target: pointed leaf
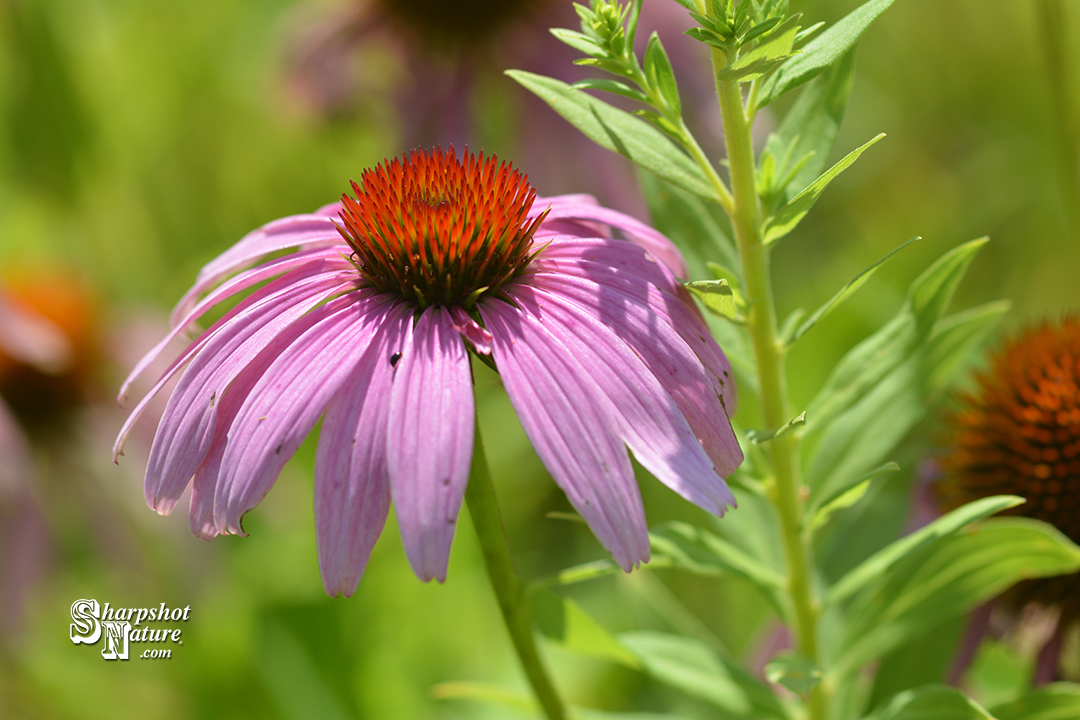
x=717, y=297
x=809, y=129
x=620, y=132
x=949, y=577
x=867, y=363
x=579, y=573
x=932, y=702
x=856, y=283
x=821, y=52
x=708, y=37
x=758, y=61
x=703, y=553
x=847, y=498
x=864, y=434
x=758, y=437
x=797, y=673
x=485, y=692
x=661, y=76
x=1058, y=701
x=582, y=43
x=611, y=86
x=880, y=563
x=929, y=295
x=785, y=220
x=562, y=621
x=697, y=670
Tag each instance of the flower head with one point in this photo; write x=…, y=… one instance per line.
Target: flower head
x=1020, y=435
x=367, y=323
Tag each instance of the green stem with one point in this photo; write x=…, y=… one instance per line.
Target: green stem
x=769, y=353
x=509, y=589
x=689, y=142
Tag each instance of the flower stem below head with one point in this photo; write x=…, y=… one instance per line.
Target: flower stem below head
x=509, y=589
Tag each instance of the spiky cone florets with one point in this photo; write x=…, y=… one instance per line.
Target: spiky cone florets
x=436, y=230
x=1019, y=434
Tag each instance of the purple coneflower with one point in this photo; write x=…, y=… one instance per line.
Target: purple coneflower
x=367, y=323
x=1019, y=434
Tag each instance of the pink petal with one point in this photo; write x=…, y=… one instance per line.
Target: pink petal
x=295, y=383
x=641, y=315
x=646, y=417
x=569, y=419
x=471, y=330
x=227, y=290
x=303, y=231
x=635, y=230
x=430, y=440
x=325, y=268
x=187, y=426
x=624, y=266
x=352, y=482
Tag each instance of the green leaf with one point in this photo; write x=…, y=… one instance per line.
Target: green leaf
x=821, y=52
x=867, y=363
x=761, y=28
x=631, y=25
x=717, y=297
x=703, y=553
x=562, y=621
x=809, y=129
x=578, y=41
x=761, y=436
x=485, y=692
x=579, y=573
x=708, y=37
x=761, y=59
x=932, y=702
x=697, y=670
x=620, y=132
x=661, y=76
x=1059, y=701
x=819, y=517
x=611, y=86
x=797, y=673
x=845, y=292
x=590, y=714
x=948, y=577
x=864, y=434
x=785, y=220
x=880, y=563
x=929, y=295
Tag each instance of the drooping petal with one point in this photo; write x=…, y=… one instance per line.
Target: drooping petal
x=324, y=267
x=187, y=426
x=430, y=440
x=352, y=481
x=635, y=231
x=647, y=418
x=295, y=382
x=622, y=266
x=299, y=231
x=640, y=316
x=219, y=294
x=568, y=418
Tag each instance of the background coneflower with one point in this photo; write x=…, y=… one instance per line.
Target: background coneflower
x=1019, y=434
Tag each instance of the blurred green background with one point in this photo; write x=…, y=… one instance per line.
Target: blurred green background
x=140, y=139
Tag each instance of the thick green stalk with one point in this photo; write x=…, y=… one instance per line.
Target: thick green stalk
x=769, y=354
x=509, y=589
